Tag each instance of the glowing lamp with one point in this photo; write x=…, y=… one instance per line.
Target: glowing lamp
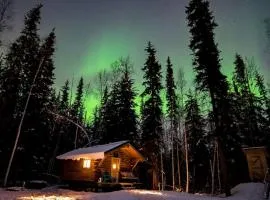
x=86, y=163
x=114, y=166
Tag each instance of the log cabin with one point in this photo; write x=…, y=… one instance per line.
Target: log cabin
x=112, y=163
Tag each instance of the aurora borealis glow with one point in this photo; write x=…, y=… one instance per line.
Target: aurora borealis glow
x=91, y=34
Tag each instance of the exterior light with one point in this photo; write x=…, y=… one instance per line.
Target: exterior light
x=86, y=163
x=114, y=166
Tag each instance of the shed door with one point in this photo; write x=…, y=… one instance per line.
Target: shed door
x=115, y=168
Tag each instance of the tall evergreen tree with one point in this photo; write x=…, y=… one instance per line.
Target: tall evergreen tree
x=38, y=122
x=118, y=118
x=21, y=53
x=64, y=103
x=152, y=111
x=21, y=66
x=197, y=145
x=102, y=121
x=77, y=107
x=111, y=116
x=45, y=80
x=77, y=111
x=263, y=104
x=127, y=116
x=30, y=40
x=247, y=109
x=209, y=78
x=172, y=109
x=172, y=106
x=66, y=129
x=95, y=126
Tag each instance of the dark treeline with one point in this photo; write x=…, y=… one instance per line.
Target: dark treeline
x=195, y=144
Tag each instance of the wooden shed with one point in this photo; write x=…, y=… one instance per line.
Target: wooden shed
x=113, y=163
x=257, y=162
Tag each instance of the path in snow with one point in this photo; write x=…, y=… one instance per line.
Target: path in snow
x=247, y=191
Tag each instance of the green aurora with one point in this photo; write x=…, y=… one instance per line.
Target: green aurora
x=93, y=34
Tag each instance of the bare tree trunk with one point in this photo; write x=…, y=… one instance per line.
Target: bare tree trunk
x=156, y=177
x=21, y=123
x=218, y=170
x=178, y=166
x=162, y=172
x=173, y=176
x=219, y=130
x=224, y=170
x=213, y=170
x=187, y=166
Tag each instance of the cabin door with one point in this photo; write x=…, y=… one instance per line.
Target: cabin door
x=115, y=168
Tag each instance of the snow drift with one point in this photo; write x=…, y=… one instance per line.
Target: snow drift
x=246, y=191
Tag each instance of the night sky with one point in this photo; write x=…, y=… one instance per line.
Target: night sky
x=91, y=34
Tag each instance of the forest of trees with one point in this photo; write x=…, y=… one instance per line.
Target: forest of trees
x=193, y=147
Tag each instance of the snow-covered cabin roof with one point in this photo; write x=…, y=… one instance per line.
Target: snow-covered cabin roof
x=94, y=152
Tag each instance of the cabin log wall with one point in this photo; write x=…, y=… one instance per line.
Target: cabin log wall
x=73, y=170
x=127, y=160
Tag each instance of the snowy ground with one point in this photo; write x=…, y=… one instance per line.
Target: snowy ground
x=247, y=191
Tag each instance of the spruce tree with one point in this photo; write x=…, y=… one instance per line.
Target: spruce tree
x=127, y=116
x=197, y=145
x=38, y=123
x=172, y=106
x=263, y=101
x=152, y=110
x=172, y=109
x=101, y=123
x=95, y=127
x=77, y=107
x=109, y=116
x=30, y=42
x=22, y=62
x=112, y=114
x=118, y=118
x=209, y=78
x=66, y=128
x=30, y=46
x=248, y=107
x=77, y=111
x=14, y=74
x=44, y=86
x=64, y=103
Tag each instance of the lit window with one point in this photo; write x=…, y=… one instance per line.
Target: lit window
x=114, y=166
x=86, y=163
